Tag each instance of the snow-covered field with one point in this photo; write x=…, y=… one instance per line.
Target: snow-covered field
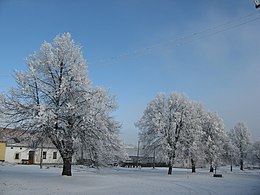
x=25, y=179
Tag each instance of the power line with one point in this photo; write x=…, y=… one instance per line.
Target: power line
x=227, y=28
x=181, y=40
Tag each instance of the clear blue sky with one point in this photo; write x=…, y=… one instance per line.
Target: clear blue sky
x=208, y=50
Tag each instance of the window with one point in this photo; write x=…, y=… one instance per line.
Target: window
x=44, y=154
x=17, y=156
x=54, y=155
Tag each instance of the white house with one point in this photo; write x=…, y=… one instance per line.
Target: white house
x=15, y=149
x=27, y=155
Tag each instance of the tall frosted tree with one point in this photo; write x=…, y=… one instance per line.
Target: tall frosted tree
x=54, y=98
x=213, y=138
x=240, y=138
x=190, y=146
x=166, y=121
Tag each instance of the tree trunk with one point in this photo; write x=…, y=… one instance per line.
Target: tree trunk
x=241, y=165
x=170, y=170
x=41, y=155
x=193, y=166
x=170, y=164
x=211, y=169
x=67, y=166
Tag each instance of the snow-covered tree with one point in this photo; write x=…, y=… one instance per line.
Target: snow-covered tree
x=254, y=153
x=213, y=138
x=56, y=98
x=150, y=126
x=167, y=120
x=100, y=134
x=228, y=155
x=190, y=145
x=240, y=138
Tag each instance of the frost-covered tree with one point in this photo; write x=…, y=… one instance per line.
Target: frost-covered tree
x=165, y=121
x=254, y=153
x=150, y=126
x=190, y=149
x=100, y=134
x=190, y=145
x=213, y=138
x=240, y=138
x=227, y=156
x=56, y=98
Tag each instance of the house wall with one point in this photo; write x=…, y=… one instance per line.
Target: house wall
x=2, y=151
x=11, y=151
x=49, y=156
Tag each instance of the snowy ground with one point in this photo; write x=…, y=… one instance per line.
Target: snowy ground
x=24, y=179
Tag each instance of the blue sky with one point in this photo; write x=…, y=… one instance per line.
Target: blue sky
x=208, y=50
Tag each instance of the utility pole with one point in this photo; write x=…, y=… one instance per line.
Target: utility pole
x=41, y=155
x=154, y=157
x=82, y=157
x=138, y=145
x=231, y=162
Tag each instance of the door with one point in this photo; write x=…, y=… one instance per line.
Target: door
x=31, y=157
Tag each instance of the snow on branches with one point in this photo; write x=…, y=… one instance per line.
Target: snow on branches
x=240, y=139
x=55, y=97
x=178, y=126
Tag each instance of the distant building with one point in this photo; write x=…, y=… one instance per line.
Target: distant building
x=137, y=158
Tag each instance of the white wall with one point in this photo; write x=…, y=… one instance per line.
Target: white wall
x=10, y=154
x=49, y=156
x=24, y=154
